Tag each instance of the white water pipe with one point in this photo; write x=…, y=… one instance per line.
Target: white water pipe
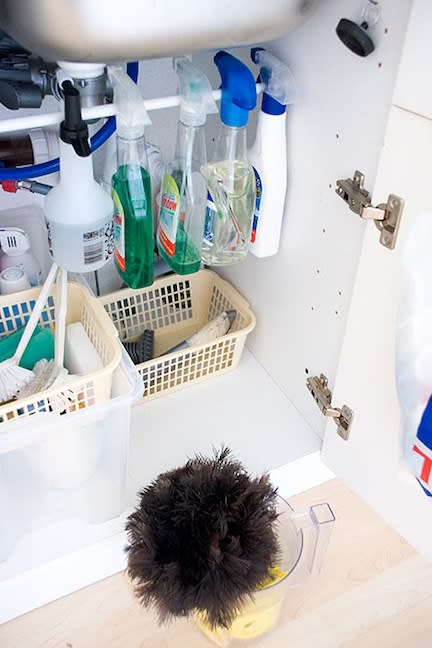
x=95, y=112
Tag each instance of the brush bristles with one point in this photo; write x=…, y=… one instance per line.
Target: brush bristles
x=12, y=380
x=202, y=538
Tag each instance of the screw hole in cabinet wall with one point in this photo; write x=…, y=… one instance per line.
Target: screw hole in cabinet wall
x=380, y=65
x=306, y=370
x=337, y=135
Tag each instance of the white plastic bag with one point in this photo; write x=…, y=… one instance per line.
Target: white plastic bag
x=414, y=351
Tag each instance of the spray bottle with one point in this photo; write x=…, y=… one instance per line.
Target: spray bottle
x=156, y=168
x=230, y=177
x=78, y=211
x=184, y=191
x=268, y=155
x=131, y=186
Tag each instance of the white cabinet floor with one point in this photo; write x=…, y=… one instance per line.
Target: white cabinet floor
x=244, y=409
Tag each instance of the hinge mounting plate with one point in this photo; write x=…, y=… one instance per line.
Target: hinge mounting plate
x=321, y=393
x=386, y=216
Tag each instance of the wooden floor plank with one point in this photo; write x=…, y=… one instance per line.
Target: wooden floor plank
x=374, y=591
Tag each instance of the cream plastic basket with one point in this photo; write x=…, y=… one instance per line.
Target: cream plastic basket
x=175, y=307
x=82, y=391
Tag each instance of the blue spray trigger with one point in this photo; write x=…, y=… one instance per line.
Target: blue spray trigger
x=238, y=90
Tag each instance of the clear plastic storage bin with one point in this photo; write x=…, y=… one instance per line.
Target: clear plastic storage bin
x=175, y=307
x=61, y=476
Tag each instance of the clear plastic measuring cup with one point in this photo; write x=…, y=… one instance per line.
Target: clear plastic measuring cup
x=303, y=538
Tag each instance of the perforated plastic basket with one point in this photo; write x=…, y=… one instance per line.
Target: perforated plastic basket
x=174, y=308
x=81, y=391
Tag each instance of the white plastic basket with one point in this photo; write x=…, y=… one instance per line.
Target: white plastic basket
x=78, y=393
x=175, y=307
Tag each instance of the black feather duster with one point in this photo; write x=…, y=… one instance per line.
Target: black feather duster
x=202, y=538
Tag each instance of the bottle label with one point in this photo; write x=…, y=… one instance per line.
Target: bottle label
x=119, y=233
x=258, y=197
x=169, y=215
x=78, y=248
x=98, y=244
x=209, y=216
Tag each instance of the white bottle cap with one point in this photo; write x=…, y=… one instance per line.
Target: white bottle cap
x=14, y=241
x=13, y=280
x=45, y=144
x=39, y=144
x=80, y=70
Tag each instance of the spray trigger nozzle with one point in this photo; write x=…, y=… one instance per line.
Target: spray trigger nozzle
x=73, y=129
x=196, y=93
x=131, y=114
x=276, y=76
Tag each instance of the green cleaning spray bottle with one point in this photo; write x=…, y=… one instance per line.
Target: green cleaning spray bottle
x=230, y=177
x=131, y=186
x=184, y=191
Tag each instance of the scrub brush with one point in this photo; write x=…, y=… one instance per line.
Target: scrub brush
x=60, y=402
x=213, y=330
x=13, y=378
x=59, y=373
x=42, y=372
x=143, y=349
x=46, y=373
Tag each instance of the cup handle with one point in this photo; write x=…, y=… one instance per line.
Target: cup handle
x=316, y=524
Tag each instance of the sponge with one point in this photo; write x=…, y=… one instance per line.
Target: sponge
x=80, y=356
x=41, y=346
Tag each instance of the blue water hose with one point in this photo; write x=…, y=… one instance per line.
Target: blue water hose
x=52, y=166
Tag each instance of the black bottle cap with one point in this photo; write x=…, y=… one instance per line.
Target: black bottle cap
x=73, y=130
x=355, y=37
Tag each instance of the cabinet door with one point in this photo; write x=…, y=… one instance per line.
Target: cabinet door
x=370, y=462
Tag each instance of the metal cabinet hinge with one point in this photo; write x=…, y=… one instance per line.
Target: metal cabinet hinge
x=386, y=216
x=318, y=387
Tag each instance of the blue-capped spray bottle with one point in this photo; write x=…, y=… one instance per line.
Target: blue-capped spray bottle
x=184, y=191
x=268, y=155
x=230, y=177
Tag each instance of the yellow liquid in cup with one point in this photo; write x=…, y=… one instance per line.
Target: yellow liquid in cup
x=257, y=617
